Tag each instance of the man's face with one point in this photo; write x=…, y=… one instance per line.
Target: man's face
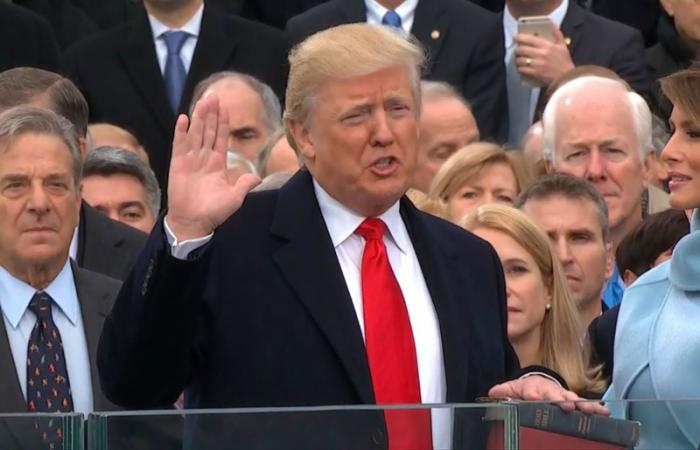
x=573, y=227
x=282, y=158
x=361, y=139
x=39, y=203
x=446, y=125
x=120, y=197
x=245, y=116
x=595, y=140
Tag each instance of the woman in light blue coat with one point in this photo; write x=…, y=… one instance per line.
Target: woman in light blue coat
x=657, y=345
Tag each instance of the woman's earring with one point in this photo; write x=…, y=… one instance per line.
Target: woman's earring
x=547, y=307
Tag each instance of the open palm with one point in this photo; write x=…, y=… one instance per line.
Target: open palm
x=200, y=194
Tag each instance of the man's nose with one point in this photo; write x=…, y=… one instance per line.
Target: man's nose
x=382, y=135
x=563, y=251
x=38, y=199
x=596, y=167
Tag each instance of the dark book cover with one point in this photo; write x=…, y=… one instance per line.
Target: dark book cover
x=547, y=426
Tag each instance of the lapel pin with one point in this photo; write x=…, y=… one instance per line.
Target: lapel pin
x=435, y=35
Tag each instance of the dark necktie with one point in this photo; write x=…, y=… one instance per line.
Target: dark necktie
x=174, y=74
x=391, y=350
x=48, y=388
x=392, y=19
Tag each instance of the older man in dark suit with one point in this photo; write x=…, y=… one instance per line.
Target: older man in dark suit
x=141, y=75
x=462, y=41
x=332, y=290
x=99, y=244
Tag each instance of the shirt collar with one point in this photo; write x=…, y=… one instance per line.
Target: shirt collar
x=342, y=222
x=15, y=295
x=510, y=23
x=406, y=10
x=192, y=26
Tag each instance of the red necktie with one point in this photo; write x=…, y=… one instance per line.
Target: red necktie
x=391, y=351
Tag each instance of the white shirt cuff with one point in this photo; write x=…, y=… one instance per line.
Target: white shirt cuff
x=181, y=250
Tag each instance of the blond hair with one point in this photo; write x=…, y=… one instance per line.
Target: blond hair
x=427, y=204
x=342, y=52
x=467, y=162
x=562, y=348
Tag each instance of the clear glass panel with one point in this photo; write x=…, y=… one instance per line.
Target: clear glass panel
x=318, y=428
x=37, y=431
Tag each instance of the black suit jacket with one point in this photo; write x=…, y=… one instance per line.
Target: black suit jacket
x=603, y=42
x=70, y=24
x=464, y=43
x=105, y=245
x=263, y=317
x=26, y=40
x=119, y=75
x=601, y=333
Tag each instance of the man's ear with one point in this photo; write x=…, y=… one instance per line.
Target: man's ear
x=83, y=146
x=609, y=260
x=667, y=5
x=300, y=138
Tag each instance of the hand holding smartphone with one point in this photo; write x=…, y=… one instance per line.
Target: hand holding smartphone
x=538, y=26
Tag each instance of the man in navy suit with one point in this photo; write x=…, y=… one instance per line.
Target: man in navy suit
x=463, y=41
x=262, y=299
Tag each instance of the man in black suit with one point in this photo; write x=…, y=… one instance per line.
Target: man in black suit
x=100, y=244
x=125, y=75
x=270, y=301
x=463, y=42
x=580, y=37
x=26, y=40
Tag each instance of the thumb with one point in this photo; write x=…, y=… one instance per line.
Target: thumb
x=245, y=184
x=503, y=390
x=558, y=36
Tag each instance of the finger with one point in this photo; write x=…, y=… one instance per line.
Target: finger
x=504, y=390
x=211, y=122
x=194, y=134
x=180, y=136
x=528, y=40
x=222, y=132
x=244, y=184
x=558, y=36
x=592, y=407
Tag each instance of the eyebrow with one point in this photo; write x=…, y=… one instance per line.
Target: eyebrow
x=515, y=260
x=243, y=130
x=131, y=203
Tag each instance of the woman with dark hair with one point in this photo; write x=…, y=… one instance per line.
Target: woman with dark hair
x=657, y=344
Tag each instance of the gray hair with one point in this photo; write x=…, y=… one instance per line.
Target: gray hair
x=29, y=119
x=106, y=161
x=272, y=110
x=659, y=134
x=570, y=187
x=586, y=86
x=433, y=90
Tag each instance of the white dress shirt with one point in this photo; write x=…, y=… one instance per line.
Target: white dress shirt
x=406, y=10
x=510, y=30
x=342, y=223
x=192, y=28
x=15, y=296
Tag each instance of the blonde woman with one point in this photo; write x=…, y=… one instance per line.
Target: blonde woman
x=543, y=323
x=477, y=174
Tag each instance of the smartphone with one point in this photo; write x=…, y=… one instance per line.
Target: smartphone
x=540, y=26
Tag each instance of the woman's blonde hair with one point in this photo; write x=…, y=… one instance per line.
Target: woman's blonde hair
x=563, y=349
x=469, y=161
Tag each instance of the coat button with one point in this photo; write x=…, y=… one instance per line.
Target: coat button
x=378, y=437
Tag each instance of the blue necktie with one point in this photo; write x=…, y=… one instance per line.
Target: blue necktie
x=175, y=74
x=518, y=103
x=392, y=19
x=48, y=388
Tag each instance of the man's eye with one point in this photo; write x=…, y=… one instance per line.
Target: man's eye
x=132, y=215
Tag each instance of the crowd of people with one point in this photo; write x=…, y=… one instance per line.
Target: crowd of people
x=350, y=202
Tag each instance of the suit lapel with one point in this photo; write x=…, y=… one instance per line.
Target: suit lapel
x=310, y=265
x=571, y=27
x=436, y=271
x=94, y=307
x=141, y=63
x=430, y=28
x=10, y=390
x=215, y=46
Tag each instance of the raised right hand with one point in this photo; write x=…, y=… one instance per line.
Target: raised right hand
x=200, y=194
